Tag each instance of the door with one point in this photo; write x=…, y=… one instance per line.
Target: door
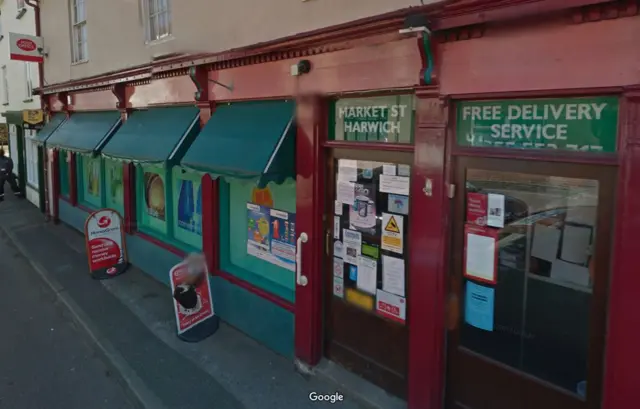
x=530, y=265
x=367, y=218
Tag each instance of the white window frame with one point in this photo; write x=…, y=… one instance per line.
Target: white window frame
x=31, y=153
x=154, y=11
x=21, y=4
x=28, y=82
x=5, y=86
x=79, y=49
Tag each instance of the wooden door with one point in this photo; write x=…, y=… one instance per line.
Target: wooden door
x=531, y=284
x=367, y=271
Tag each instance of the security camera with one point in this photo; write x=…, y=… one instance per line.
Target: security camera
x=42, y=51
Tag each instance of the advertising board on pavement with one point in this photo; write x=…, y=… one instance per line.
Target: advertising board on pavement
x=106, y=248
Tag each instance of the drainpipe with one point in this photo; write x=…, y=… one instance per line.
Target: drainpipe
x=35, y=5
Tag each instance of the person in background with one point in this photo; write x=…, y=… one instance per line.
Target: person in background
x=6, y=175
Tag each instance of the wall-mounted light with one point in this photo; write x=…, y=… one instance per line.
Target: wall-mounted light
x=301, y=67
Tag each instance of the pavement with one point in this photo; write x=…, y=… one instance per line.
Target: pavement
x=119, y=336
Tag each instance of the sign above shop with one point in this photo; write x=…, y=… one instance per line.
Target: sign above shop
x=376, y=119
x=24, y=47
x=572, y=124
x=33, y=117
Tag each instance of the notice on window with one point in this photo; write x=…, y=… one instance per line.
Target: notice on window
x=352, y=245
x=479, y=306
x=495, y=203
x=347, y=170
x=271, y=235
x=346, y=192
x=338, y=287
x=392, y=232
x=393, y=275
x=338, y=208
x=338, y=267
x=367, y=279
x=398, y=185
x=480, y=253
x=338, y=249
x=389, y=170
x=398, y=204
x=391, y=306
x=477, y=208
x=336, y=227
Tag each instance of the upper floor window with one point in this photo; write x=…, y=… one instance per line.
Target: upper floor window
x=21, y=4
x=22, y=8
x=78, y=31
x=158, y=19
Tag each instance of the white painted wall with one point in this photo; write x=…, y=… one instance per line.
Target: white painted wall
x=116, y=28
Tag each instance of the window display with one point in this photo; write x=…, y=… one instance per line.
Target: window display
x=370, y=246
x=187, y=207
x=90, y=182
x=114, y=185
x=151, y=182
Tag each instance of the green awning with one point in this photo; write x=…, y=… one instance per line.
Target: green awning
x=85, y=132
x=247, y=140
x=154, y=135
x=49, y=128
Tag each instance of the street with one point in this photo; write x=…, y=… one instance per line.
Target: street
x=45, y=362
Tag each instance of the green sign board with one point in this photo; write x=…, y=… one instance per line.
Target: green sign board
x=573, y=124
x=375, y=119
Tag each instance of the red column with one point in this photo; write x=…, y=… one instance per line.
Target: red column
x=73, y=179
x=210, y=223
x=56, y=185
x=129, y=199
x=622, y=375
x=428, y=259
x=312, y=121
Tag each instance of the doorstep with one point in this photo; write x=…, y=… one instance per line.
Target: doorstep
x=130, y=318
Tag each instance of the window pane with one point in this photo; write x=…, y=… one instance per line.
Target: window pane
x=163, y=24
x=151, y=186
x=187, y=207
x=153, y=28
x=536, y=317
x=153, y=9
x=114, y=185
x=91, y=181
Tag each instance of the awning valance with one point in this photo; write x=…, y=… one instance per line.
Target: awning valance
x=49, y=128
x=154, y=135
x=247, y=140
x=85, y=132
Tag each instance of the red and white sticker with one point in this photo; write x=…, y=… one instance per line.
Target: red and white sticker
x=105, y=244
x=391, y=306
x=187, y=318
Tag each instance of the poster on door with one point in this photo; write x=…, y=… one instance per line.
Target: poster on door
x=362, y=213
x=105, y=243
x=271, y=235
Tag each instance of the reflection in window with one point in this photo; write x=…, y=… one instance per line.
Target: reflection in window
x=540, y=303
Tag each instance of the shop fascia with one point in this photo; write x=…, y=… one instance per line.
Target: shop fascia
x=379, y=118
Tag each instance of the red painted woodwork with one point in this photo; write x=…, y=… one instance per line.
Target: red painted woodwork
x=428, y=233
x=55, y=213
x=172, y=90
x=54, y=103
x=280, y=302
x=312, y=120
x=210, y=222
x=549, y=55
x=129, y=199
x=397, y=66
x=73, y=179
x=93, y=101
x=369, y=146
x=623, y=335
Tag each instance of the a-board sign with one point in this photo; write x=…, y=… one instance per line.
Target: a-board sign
x=191, y=292
x=106, y=247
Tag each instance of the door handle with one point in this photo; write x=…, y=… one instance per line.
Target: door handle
x=300, y=279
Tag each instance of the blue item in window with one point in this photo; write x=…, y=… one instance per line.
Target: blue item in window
x=186, y=206
x=353, y=273
x=198, y=213
x=478, y=306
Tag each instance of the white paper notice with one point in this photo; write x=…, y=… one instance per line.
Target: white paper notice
x=393, y=275
x=336, y=227
x=392, y=232
x=352, y=246
x=338, y=287
x=338, y=267
x=545, y=242
x=346, y=192
x=481, y=257
x=576, y=244
x=495, y=204
x=338, y=249
x=394, y=184
x=338, y=208
x=367, y=274
x=404, y=170
x=570, y=273
x=389, y=170
x=347, y=170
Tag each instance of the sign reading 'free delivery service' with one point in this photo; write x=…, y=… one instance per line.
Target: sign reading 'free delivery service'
x=575, y=124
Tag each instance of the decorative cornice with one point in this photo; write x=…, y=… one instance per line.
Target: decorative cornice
x=606, y=11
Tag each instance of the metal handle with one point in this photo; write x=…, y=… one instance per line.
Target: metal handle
x=300, y=279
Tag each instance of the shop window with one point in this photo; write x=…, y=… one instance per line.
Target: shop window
x=187, y=207
x=158, y=20
x=63, y=163
x=376, y=119
x=114, y=185
x=31, y=152
x=79, y=32
x=251, y=231
x=90, y=180
x=152, y=194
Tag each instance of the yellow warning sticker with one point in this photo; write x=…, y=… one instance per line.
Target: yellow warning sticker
x=393, y=233
x=392, y=225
